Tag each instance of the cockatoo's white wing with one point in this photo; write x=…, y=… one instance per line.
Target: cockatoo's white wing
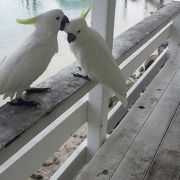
x=24, y=65
x=97, y=60
x=30, y=59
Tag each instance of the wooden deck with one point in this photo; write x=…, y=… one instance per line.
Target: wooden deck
x=146, y=144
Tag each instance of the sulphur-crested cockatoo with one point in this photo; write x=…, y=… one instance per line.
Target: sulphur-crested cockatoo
x=94, y=56
x=20, y=68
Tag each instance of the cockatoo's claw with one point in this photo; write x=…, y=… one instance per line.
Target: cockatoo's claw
x=79, y=68
x=22, y=102
x=81, y=76
x=37, y=90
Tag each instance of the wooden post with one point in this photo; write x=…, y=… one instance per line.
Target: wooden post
x=103, y=13
x=174, y=39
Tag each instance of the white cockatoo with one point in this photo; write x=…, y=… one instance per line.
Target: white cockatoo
x=94, y=56
x=20, y=68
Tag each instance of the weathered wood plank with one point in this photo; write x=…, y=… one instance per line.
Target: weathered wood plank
x=134, y=92
x=132, y=63
x=138, y=158
x=66, y=89
x=15, y=121
x=131, y=40
x=166, y=164
x=44, y=144
x=106, y=161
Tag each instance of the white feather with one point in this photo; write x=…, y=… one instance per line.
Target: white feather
x=96, y=59
x=19, y=69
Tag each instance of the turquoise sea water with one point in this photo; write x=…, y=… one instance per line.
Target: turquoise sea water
x=11, y=32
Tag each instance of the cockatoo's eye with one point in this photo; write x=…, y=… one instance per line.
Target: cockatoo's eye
x=57, y=18
x=78, y=31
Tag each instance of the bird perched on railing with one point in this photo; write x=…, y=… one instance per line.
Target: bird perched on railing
x=94, y=56
x=20, y=68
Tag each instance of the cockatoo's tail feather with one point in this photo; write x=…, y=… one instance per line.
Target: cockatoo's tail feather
x=28, y=21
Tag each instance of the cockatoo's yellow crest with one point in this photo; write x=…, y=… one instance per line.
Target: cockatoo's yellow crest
x=32, y=20
x=85, y=12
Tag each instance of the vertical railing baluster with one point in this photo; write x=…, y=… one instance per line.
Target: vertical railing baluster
x=103, y=13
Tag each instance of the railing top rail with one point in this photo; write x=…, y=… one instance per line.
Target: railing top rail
x=15, y=120
x=66, y=89
x=136, y=36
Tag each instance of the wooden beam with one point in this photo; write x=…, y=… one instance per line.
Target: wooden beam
x=140, y=154
x=136, y=36
x=166, y=163
x=118, y=112
x=73, y=164
x=35, y=152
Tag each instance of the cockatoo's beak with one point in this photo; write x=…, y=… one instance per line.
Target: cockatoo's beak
x=64, y=21
x=32, y=20
x=71, y=37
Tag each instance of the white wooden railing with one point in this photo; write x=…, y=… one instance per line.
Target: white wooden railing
x=41, y=131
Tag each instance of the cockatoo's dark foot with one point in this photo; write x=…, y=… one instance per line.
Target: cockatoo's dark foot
x=37, y=90
x=22, y=102
x=81, y=76
x=79, y=68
